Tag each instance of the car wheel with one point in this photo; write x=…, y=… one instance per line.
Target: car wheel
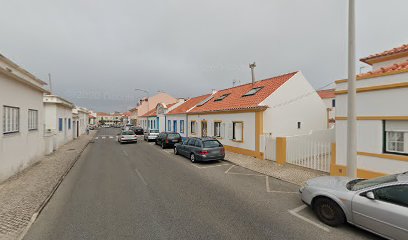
x=329, y=212
x=175, y=151
x=192, y=158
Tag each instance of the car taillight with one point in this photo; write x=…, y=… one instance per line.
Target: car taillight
x=222, y=151
x=167, y=140
x=203, y=152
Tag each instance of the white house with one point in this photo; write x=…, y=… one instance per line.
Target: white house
x=329, y=99
x=178, y=116
x=81, y=120
x=382, y=115
x=156, y=118
x=282, y=106
x=58, y=122
x=21, y=118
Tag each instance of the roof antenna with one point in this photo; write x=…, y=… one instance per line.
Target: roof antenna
x=252, y=67
x=49, y=80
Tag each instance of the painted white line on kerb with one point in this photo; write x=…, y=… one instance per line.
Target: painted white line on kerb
x=295, y=211
x=273, y=191
x=141, y=177
x=218, y=165
x=245, y=174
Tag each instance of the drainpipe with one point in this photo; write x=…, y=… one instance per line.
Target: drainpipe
x=187, y=125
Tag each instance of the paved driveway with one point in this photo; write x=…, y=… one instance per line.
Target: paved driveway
x=139, y=191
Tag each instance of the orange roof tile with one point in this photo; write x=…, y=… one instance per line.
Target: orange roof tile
x=235, y=99
x=151, y=113
x=102, y=114
x=393, y=69
x=397, y=50
x=183, y=108
x=327, y=93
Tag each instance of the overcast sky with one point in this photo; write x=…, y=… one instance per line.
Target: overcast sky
x=98, y=51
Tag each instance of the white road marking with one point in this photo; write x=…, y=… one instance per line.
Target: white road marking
x=218, y=165
x=103, y=137
x=245, y=174
x=124, y=152
x=273, y=191
x=295, y=211
x=141, y=177
x=110, y=136
x=96, y=137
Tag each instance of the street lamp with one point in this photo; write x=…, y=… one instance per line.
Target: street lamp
x=147, y=94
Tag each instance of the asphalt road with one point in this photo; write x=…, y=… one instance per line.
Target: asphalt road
x=139, y=191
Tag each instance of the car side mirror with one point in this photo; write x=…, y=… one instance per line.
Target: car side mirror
x=370, y=195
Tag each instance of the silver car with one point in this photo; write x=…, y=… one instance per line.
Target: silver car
x=151, y=134
x=379, y=205
x=127, y=136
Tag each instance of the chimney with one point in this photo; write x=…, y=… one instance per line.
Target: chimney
x=252, y=67
x=213, y=91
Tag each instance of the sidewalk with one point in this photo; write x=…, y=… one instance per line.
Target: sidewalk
x=288, y=172
x=24, y=194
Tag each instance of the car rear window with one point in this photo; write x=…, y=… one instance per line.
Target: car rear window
x=128, y=133
x=154, y=131
x=212, y=144
x=173, y=136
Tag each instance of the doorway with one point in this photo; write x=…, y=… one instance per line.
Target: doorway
x=203, y=128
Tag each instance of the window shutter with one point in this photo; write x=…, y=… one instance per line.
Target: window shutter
x=230, y=131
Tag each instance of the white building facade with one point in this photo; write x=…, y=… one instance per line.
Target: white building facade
x=382, y=115
x=21, y=118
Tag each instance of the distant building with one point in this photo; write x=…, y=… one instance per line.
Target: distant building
x=382, y=115
x=21, y=118
x=329, y=99
x=147, y=104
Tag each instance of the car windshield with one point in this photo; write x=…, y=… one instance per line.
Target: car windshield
x=154, y=131
x=128, y=133
x=212, y=144
x=173, y=136
x=358, y=185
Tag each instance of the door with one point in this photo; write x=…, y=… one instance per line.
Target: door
x=174, y=125
x=203, y=128
x=189, y=147
x=387, y=214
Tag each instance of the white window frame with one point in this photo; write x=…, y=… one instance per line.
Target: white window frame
x=11, y=119
x=400, y=130
x=217, y=134
x=32, y=119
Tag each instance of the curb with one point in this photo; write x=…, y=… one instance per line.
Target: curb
x=54, y=189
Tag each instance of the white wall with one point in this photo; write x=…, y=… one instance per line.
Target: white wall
x=19, y=150
x=53, y=112
x=178, y=117
x=227, y=119
x=295, y=101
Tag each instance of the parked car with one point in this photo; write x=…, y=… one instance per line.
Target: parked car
x=168, y=139
x=201, y=149
x=127, y=136
x=151, y=134
x=379, y=205
x=137, y=130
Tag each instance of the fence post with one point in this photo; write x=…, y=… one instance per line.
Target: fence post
x=281, y=150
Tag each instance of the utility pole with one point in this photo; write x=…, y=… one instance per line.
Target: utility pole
x=351, y=97
x=49, y=81
x=252, y=67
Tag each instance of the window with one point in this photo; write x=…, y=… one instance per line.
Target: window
x=11, y=119
x=197, y=143
x=253, y=91
x=222, y=97
x=333, y=102
x=396, y=137
x=237, y=131
x=212, y=144
x=168, y=125
x=60, y=124
x=217, y=129
x=181, y=126
x=193, y=127
x=204, y=101
x=191, y=142
x=69, y=123
x=32, y=119
x=394, y=194
x=299, y=124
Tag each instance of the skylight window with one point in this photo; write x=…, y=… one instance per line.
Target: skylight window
x=253, y=91
x=222, y=97
x=204, y=101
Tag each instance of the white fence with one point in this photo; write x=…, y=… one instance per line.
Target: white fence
x=269, y=147
x=311, y=150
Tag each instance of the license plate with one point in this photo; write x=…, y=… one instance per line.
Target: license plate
x=175, y=140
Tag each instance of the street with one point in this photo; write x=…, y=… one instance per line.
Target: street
x=139, y=191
